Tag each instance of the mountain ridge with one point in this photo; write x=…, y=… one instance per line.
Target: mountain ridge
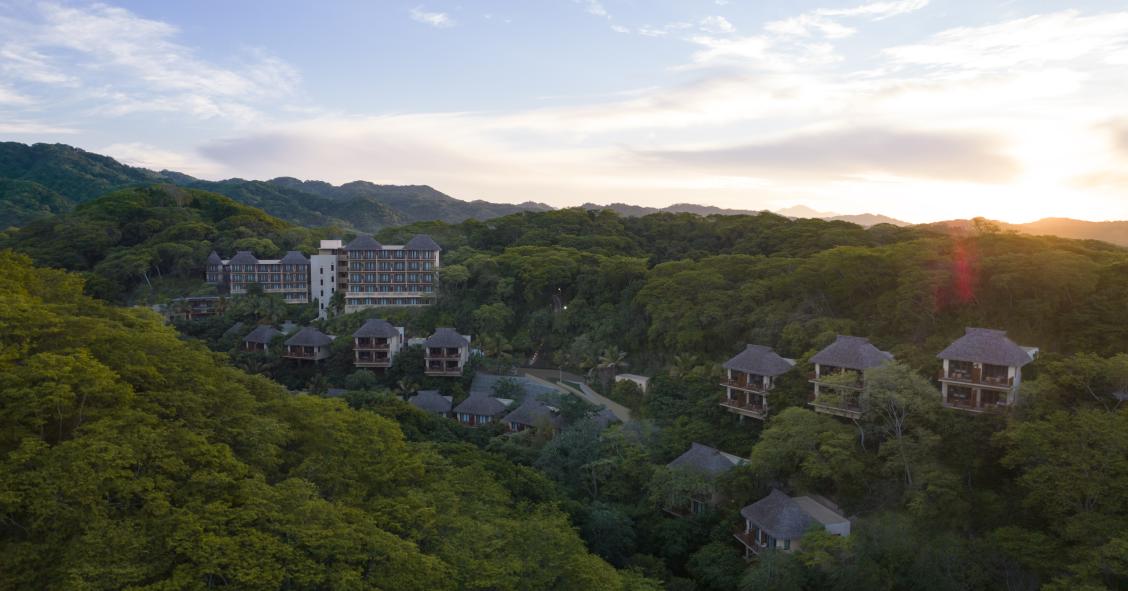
x=39, y=180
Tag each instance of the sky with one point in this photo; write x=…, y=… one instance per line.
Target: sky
x=918, y=109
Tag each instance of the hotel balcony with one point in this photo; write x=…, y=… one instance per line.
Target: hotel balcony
x=754, y=410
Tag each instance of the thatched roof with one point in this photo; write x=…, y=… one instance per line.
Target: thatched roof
x=421, y=242
x=431, y=401
x=984, y=345
x=378, y=328
x=262, y=334
x=709, y=461
x=309, y=337
x=851, y=353
x=363, y=242
x=788, y=518
x=760, y=360
x=447, y=337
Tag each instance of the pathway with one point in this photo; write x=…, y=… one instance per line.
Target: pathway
x=584, y=392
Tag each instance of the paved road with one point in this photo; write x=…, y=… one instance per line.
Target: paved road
x=585, y=392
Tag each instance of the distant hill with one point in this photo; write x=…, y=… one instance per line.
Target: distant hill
x=799, y=211
x=1115, y=232
x=45, y=179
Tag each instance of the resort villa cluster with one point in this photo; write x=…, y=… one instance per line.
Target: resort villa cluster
x=981, y=372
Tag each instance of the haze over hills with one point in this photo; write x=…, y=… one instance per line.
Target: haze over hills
x=798, y=211
x=45, y=179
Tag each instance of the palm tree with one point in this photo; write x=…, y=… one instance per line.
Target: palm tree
x=610, y=362
x=497, y=348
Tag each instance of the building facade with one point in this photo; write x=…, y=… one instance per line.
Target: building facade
x=778, y=521
x=376, y=344
x=368, y=273
x=288, y=276
x=839, y=376
x=445, y=353
x=982, y=371
x=309, y=344
x=749, y=377
x=390, y=275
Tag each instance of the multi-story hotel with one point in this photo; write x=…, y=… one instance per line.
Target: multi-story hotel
x=288, y=276
x=983, y=371
x=368, y=273
x=389, y=274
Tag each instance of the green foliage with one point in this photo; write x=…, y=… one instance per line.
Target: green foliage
x=130, y=458
x=134, y=241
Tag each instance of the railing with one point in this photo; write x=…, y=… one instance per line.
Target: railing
x=833, y=378
x=443, y=355
x=748, y=539
x=299, y=354
x=754, y=410
x=742, y=385
x=966, y=378
x=836, y=405
x=368, y=345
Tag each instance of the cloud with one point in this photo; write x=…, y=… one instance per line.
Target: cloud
x=594, y=7
x=1031, y=41
x=102, y=53
x=820, y=21
x=33, y=128
x=806, y=25
x=716, y=25
x=439, y=20
x=949, y=156
x=156, y=158
x=11, y=97
x=877, y=10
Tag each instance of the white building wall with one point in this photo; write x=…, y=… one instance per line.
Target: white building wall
x=323, y=281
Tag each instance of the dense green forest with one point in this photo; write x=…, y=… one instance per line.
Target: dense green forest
x=131, y=459
x=1037, y=498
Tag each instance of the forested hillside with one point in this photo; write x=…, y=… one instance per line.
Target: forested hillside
x=44, y=179
x=1035, y=498
x=141, y=244
x=130, y=458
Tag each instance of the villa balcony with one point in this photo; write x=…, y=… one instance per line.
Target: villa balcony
x=748, y=539
x=833, y=380
x=452, y=371
x=744, y=385
x=370, y=345
x=300, y=353
x=370, y=361
x=976, y=379
x=435, y=354
x=840, y=406
x=755, y=411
